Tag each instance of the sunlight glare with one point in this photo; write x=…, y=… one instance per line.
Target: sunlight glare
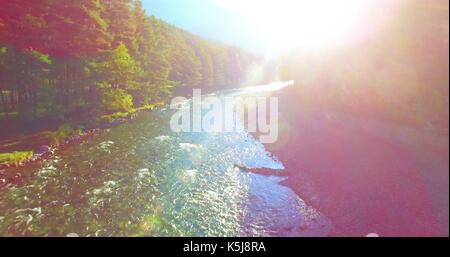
x=308, y=24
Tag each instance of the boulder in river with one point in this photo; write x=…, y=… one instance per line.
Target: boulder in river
x=44, y=150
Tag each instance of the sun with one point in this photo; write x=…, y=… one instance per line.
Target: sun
x=307, y=24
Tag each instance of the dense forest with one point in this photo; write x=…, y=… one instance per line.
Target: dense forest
x=63, y=60
x=399, y=74
x=80, y=60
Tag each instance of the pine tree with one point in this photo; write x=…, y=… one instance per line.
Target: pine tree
x=66, y=58
x=121, y=23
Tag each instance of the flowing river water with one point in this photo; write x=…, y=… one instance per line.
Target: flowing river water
x=141, y=179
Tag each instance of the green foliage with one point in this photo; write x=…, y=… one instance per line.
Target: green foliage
x=115, y=100
x=40, y=57
x=49, y=109
x=113, y=117
x=15, y=158
x=8, y=114
x=102, y=57
x=63, y=132
x=119, y=69
x=121, y=23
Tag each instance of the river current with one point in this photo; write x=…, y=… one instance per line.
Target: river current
x=141, y=179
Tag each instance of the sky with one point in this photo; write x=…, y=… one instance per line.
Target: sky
x=271, y=27
x=209, y=19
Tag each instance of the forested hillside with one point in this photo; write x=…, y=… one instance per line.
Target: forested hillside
x=400, y=73
x=65, y=60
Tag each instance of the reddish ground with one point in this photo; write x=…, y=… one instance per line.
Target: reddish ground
x=367, y=176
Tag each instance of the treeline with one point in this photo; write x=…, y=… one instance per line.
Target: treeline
x=78, y=59
x=400, y=73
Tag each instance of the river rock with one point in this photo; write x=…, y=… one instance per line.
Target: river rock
x=44, y=150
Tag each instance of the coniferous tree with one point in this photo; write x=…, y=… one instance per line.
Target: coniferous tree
x=69, y=59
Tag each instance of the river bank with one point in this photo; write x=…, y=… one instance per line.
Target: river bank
x=142, y=179
x=38, y=145
x=363, y=174
x=367, y=175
